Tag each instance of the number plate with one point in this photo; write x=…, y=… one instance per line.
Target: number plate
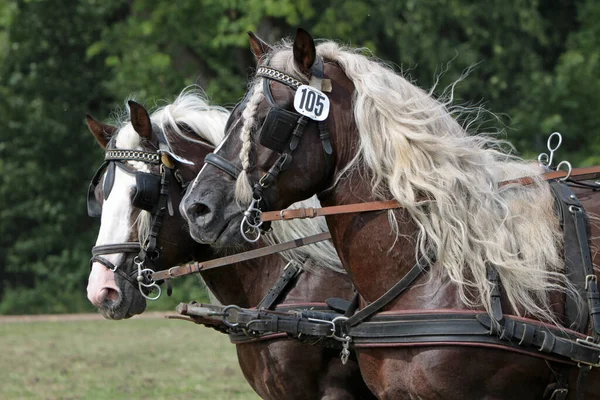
x=311, y=102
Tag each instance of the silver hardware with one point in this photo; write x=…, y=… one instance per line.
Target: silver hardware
x=250, y=225
x=324, y=321
x=345, y=354
x=225, y=315
x=140, y=278
x=271, y=73
x=590, y=278
x=546, y=159
x=574, y=209
x=588, y=342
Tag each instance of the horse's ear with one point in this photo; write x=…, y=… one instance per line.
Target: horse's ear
x=304, y=51
x=259, y=47
x=101, y=131
x=140, y=119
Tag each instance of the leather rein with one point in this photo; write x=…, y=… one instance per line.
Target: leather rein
x=577, y=174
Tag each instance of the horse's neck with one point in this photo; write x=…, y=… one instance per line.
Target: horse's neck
x=244, y=283
x=376, y=257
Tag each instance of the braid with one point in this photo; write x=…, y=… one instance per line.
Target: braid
x=243, y=188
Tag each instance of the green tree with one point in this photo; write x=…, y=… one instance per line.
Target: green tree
x=48, y=85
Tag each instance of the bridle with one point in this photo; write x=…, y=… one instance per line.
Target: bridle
x=152, y=194
x=281, y=131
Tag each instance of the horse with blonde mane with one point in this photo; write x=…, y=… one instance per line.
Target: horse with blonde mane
x=171, y=144
x=490, y=240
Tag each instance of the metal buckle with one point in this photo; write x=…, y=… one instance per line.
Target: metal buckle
x=588, y=279
x=589, y=343
x=324, y=321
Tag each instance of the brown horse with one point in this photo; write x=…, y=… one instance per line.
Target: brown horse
x=383, y=139
x=275, y=368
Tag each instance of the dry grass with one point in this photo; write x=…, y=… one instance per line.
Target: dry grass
x=134, y=359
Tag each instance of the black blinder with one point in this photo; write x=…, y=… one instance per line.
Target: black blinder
x=278, y=128
x=147, y=191
x=109, y=180
x=93, y=207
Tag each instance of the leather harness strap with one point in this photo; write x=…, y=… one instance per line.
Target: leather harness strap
x=417, y=270
x=582, y=174
x=290, y=273
x=235, y=258
x=579, y=173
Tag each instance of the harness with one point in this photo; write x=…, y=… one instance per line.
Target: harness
x=281, y=132
x=152, y=195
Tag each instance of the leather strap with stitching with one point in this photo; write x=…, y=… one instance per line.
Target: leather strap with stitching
x=235, y=258
x=417, y=270
x=579, y=173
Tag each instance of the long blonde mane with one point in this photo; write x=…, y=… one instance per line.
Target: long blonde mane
x=414, y=150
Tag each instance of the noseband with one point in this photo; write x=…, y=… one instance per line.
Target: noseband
x=152, y=195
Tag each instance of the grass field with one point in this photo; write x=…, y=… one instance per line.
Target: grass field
x=134, y=359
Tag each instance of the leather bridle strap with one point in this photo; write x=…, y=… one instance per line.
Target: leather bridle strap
x=235, y=258
x=224, y=165
x=129, y=247
x=579, y=173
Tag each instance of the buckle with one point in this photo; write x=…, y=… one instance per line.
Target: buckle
x=589, y=343
x=588, y=279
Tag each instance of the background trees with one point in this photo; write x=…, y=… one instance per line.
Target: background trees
x=537, y=66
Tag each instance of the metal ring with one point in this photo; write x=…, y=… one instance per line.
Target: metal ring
x=154, y=285
x=140, y=273
x=232, y=307
x=252, y=229
x=574, y=209
x=340, y=318
x=170, y=273
x=568, y=171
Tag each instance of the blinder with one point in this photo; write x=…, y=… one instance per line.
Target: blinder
x=277, y=129
x=147, y=191
x=93, y=206
x=109, y=180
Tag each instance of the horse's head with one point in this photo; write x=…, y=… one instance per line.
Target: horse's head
x=278, y=148
x=137, y=191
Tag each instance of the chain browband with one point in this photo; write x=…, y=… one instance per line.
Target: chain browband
x=132, y=155
x=282, y=77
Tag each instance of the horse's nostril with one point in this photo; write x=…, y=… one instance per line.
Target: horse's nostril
x=112, y=295
x=199, y=210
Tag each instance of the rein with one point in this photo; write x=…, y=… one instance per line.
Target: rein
x=235, y=258
x=310, y=212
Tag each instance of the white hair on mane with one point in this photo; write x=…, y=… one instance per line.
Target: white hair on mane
x=415, y=151
x=243, y=189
